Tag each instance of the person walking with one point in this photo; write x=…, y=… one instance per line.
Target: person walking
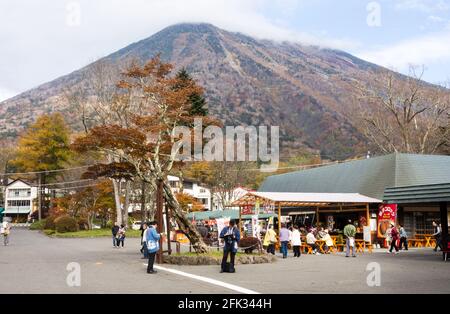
x=115, y=231
x=144, y=249
x=395, y=235
x=437, y=235
x=284, y=239
x=152, y=239
x=403, y=238
x=231, y=237
x=296, y=241
x=121, y=236
x=349, y=233
x=6, y=229
x=270, y=239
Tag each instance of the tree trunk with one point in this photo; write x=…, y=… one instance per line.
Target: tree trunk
x=127, y=203
x=143, y=209
x=185, y=225
x=117, y=201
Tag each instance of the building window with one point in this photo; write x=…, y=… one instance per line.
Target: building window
x=19, y=193
x=204, y=201
x=188, y=185
x=173, y=184
x=202, y=190
x=19, y=203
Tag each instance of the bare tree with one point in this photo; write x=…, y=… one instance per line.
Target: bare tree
x=403, y=114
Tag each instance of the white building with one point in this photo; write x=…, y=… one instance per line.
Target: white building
x=222, y=199
x=19, y=196
x=193, y=188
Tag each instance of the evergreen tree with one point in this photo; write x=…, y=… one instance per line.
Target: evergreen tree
x=197, y=100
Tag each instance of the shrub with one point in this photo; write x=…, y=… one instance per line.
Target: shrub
x=38, y=225
x=50, y=223
x=66, y=224
x=249, y=244
x=109, y=224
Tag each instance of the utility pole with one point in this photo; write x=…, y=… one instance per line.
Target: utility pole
x=39, y=197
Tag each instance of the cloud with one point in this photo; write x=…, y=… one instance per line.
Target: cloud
x=423, y=5
x=42, y=41
x=424, y=50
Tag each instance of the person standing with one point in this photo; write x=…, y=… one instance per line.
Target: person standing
x=403, y=238
x=437, y=235
x=270, y=239
x=395, y=235
x=6, y=229
x=284, y=239
x=349, y=233
x=121, y=236
x=144, y=249
x=296, y=241
x=231, y=237
x=115, y=231
x=152, y=237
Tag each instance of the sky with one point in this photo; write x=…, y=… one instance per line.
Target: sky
x=41, y=40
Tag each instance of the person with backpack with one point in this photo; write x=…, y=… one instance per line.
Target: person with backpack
x=395, y=235
x=349, y=233
x=231, y=237
x=152, y=237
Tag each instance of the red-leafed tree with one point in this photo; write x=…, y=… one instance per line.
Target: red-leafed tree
x=158, y=102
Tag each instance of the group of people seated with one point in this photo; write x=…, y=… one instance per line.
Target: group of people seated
x=293, y=235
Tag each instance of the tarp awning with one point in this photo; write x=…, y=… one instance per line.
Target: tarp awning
x=304, y=199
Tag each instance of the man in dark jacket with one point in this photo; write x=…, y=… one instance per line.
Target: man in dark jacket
x=231, y=237
x=115, y=231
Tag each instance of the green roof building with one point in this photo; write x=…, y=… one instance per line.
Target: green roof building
x=368, y=177
x=419, y=184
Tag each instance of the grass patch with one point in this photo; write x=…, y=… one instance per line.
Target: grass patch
x=97, y=233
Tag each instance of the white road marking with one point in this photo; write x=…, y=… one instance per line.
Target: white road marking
x=208, y=280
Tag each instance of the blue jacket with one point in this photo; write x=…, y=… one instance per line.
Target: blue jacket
x=152, y=240
x=234, y=240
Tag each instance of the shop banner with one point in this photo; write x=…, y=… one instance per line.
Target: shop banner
x=255, y=226
x=387, y=213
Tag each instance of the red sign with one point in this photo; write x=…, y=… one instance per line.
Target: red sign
x=387, y=212
x=247, y=210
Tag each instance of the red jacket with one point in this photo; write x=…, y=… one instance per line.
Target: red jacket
x=394, y=234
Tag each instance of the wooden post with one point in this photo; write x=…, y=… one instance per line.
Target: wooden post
x=159, y=218
x=317, y=217
x=368, y=214
x=169, y=245
x=279, y=222
x=240, y=221
x=444, y=224
x=279, y=217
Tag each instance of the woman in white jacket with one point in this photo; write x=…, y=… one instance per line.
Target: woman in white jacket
x=296, y=241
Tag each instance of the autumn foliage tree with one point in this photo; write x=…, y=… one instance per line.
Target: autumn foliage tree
x=160, y=102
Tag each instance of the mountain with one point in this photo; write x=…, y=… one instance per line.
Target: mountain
x=305, y=90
